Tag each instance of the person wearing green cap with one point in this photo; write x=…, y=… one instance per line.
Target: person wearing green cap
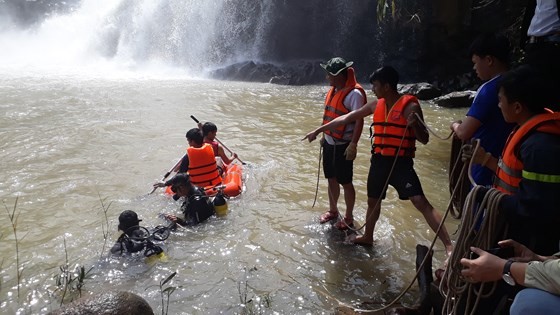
x=339, y=144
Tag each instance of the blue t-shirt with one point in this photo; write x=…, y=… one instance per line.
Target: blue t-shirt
x=494, y=130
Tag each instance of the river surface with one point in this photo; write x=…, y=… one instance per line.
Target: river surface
x=75, y=147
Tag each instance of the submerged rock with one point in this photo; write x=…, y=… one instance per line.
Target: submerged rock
x=108, y=303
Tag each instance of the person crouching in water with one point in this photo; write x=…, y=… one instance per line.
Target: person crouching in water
x=196, y=208
x=131, y=241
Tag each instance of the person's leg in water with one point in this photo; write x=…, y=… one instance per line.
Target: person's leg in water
x=406, y=182
x=377, y=176
x=333, y=185
x=372, y=215
x=349, y=200
x=334, y=194
x=344, y=174
x=433, y=218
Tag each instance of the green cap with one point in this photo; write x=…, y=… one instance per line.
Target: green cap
x=336, y=65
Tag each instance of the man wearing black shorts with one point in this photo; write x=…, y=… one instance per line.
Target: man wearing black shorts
x=396, y=129
x=339, y=144
x=403, y=178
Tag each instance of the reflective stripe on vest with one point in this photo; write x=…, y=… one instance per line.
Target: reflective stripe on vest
x=389, y=129
x=202, y=166
x=334, y=106
x=543, y=178
x=510, y=167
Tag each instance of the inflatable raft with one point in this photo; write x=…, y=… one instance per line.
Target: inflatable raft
x=232, y=182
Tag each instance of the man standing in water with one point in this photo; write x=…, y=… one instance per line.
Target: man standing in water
x=396, y=129
x=339, y=144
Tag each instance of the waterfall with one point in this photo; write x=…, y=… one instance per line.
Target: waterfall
x=191, y=36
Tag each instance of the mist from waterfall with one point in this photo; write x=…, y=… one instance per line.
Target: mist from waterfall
x=176, y=36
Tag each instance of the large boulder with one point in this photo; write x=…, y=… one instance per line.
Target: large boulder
x=108, y=303
x=292, y=73
x=456, y=99
x=423, y=91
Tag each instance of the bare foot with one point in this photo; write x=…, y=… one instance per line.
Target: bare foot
x=363, y=241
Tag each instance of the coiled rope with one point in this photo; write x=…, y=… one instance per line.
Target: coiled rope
x=453, y=286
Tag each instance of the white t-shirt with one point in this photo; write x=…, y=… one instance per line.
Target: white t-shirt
x=353, y=101
x=545, y=21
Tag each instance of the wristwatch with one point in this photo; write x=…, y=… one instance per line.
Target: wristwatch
x=506, y=274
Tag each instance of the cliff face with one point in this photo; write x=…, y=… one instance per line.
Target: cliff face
x=452, y=27
x=424, y=40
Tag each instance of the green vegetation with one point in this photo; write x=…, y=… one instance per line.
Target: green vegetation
x=255, y=304
x=71, y=281
x=14, y=216
x=104, y=224
x=166, y=293
x=382, y=8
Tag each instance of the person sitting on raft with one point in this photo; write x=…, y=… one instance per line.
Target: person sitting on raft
x=196, y=207
x=209, y=131
x=129, y=241
x=199, y=161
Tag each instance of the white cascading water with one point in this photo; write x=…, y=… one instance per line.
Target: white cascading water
x=164, y=35
x=175, y=36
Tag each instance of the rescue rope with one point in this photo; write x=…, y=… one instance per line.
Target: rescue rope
x=456, y=290
x=453, y=287
x=431, y=131
x=430, y=248
x=318, y=175
x=434, y=240
x=385, y=186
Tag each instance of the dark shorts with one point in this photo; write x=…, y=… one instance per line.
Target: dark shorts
x=403, y=178
x=335, y=164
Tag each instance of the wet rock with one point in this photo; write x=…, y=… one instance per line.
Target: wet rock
x=422, y=90
x=108, y=303
x=456, y=99
x=280, y=79
x=293, y=73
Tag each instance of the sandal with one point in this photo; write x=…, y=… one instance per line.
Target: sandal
x=343, y=226
x=328, y=216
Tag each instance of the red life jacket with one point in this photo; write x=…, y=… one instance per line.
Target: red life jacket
x=389, y=129
x=202, y=166
x=510, y=167
x=214, y=145
x=334, y=105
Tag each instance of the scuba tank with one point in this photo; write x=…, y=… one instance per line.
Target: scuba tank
x=220, y=205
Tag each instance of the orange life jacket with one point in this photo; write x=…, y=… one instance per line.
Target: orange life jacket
x=202, y=166
x=334, y=104
x=510, y=167
x=389, y=129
